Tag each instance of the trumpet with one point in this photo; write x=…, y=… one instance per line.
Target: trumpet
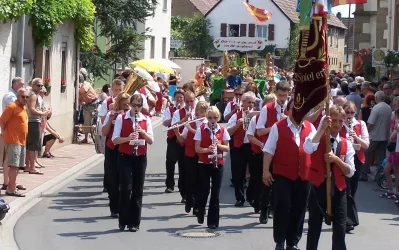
x=214, y=155
x=136, y=145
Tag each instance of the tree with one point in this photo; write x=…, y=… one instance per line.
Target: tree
x=268, y=49
x=195, y=36
x=289, y=58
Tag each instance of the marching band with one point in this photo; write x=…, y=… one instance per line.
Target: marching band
x=280, y=187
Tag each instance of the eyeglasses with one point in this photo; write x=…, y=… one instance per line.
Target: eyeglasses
x=24, y=96
x=212, y=117
x=39, y=85
x=134, y=105
x=349, y=113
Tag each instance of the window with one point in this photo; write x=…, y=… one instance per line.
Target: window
x=262, y=31
x=164, y=47
x=152, y=51
x=234, y=30
x=47, y=64
x=165, y=5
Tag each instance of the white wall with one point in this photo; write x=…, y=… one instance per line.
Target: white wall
x=188, y=68
x=234, y=12
x=5, y=55
x=159, y=27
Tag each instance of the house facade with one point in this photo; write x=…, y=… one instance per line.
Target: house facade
x=158, y=28
x=349, y=37
x=56, y=62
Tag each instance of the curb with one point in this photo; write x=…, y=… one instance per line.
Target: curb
x=20, y=206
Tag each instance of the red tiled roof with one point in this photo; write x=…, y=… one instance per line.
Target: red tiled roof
x=204, y=5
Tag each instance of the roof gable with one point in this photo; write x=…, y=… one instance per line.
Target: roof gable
x=204, y=6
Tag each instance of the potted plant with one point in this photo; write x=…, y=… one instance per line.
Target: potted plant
x=47, y=85
x=63, y=85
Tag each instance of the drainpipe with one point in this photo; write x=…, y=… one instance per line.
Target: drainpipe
x=389, y=42
x=20, y=47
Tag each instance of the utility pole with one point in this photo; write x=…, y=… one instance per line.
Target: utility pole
x=20, y=47
x=348, y=34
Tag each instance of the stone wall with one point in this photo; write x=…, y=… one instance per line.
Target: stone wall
x=336, y=50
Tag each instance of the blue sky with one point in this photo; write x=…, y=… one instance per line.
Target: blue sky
x=344, y=9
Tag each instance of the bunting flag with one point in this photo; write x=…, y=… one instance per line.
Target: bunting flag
x=259, y=14
x=311, y=69
x=342, y=2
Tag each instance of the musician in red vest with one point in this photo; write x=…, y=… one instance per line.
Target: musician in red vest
x=180, y=116
x=290, y=178
x=171, y=153
x=191, y=157
x=209, y=139
x=241, y=145
x=233, y=106
x=342, y=165
x=269, y=115
x=111, y=172
x=132, y=161
x=255, y=164
x=116, y=88
x=355, y=131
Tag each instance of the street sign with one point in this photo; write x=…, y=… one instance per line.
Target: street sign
x=378, y=56
x=176, y=44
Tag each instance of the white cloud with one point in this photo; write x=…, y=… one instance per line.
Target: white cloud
x=344, y=9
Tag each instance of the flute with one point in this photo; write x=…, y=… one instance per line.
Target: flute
x=183, y=124
x=136, y=145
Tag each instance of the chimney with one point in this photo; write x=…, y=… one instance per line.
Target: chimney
x=339, y=15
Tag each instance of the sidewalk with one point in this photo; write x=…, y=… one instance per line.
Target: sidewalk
x=66, y=157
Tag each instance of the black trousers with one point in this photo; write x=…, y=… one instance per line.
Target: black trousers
x=255, y=180
x=112, y=177
x=132, y=175
x=206, y=174
x=242, y=157
x=232, y=154
x=191, y=165
x=267, y=194
x=353, y=182
x=290, y=200
x=175, y=154
x=317, y=208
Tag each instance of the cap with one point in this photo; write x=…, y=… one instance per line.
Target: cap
x=352, y=85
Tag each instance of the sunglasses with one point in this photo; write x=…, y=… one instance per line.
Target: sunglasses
x=349, y=113
x=39, y=85
x=212, y=117
x=236, y=94
x=134, y=105
x=24, y=96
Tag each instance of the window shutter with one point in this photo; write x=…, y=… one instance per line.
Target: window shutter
x=251, y=32
x=271, y=32
x=243, y=30
x=223, y=30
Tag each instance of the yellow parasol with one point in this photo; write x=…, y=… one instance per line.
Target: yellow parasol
x=151, y=65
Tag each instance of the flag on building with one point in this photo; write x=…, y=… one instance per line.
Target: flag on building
x=342, y=2
x=259, y=14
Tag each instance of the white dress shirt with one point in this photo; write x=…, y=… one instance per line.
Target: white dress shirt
x=176, y=116
x=9, y=97
x=364, y=132
x=252, y=127
x=197, y=123
x=232, y=122
x=166, y=115
x=271, y=143
x=140, y=117
x=103, y=109
x=229, y=107
x=310, y=147
x=197, y=100
x=263, y=114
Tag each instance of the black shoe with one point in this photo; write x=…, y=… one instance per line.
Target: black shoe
x=263, y=218
x=212, y=227
x=169, y=190
x=256, y=210
x=121, y=227
x=105, y=190
x=133, y=229
x=280, y=246
x=200, y=219
x=195, y=211
x=349, y=228
x=187, y=208
x=231, y=183
x=239, y=203
x=183, y=201
x=292, y=248
x=114, y=215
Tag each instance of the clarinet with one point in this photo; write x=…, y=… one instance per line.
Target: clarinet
x=282, y=111
x=136, y=145
x=215, y=151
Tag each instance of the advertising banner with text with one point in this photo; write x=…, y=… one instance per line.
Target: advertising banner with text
x=239, y=43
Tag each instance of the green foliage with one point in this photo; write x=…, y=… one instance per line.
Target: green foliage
x=268, y=49
x=94, y=61
x=391, y=58
x=47, y=15
x=369, y=70
x=14, y=9
x=194, y=32
x=289, y=58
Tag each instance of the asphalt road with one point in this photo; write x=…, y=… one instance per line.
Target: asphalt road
x=77, y=217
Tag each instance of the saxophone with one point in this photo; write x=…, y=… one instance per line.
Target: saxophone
x=136, y=145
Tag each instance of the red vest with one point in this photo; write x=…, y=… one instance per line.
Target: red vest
x=143, y=91
x=189, y=149
x=239, y=135
x=271, y=119
x=127, y=129
x=317, y=173
x=110, y=100
x=206, y=141
x=109, y=142
x=171, y=133
x=358, y=130
x=256, y=148
x=297, y=162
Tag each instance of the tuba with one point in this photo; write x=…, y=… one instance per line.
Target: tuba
x=201, y=90
x=135, y=82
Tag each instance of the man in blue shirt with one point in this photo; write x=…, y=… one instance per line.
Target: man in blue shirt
x=233, y=80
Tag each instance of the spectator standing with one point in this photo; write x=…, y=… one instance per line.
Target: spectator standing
x=35, y=114
x=14, y=124
x=388, y=91
x=365, y=90
x=88, y=98
x=233, y=80
x=9, y=97
x=354, y=97
x=378, y=126
x=366, y=108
